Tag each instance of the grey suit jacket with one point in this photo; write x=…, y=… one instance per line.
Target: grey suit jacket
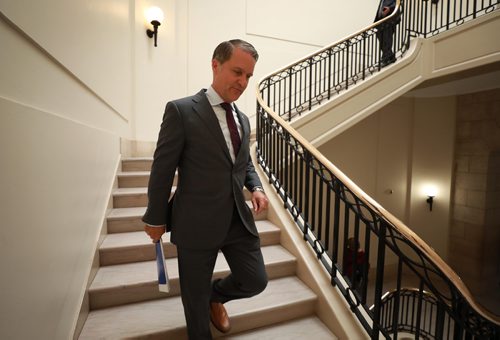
x=209, y=185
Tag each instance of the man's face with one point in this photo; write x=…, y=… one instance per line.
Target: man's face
x=231, y=77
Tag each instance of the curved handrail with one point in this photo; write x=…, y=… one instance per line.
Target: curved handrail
x=339, y=42
x=387, y=216
x=410, y=324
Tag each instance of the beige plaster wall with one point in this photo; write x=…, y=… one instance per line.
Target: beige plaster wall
x=394, y=152
x=56, y=180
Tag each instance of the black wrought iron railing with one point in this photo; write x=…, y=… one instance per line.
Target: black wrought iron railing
x=365, y=249
x=297, y=88
x=416, y=312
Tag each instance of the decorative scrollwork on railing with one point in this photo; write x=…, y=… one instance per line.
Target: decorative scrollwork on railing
x=407, y=301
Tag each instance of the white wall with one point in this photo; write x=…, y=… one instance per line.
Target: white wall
x=201, y=25
x=326, y=21
x=393, y=153
x=59, y=152
x=91, y=39
x=432, y=164
x=56, y=178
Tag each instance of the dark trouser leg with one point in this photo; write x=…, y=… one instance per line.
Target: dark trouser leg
x=384, y=36
x=195, y=273
x=248, y=274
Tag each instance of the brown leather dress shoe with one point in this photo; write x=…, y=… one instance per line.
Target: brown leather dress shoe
x=219, y=317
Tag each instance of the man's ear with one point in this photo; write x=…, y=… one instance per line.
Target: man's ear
x=215, y=64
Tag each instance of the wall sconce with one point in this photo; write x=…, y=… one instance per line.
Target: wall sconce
x=154, y=15
x=431, y=192
x=429, y=200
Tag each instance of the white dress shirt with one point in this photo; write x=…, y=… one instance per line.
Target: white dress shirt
x=215, y=100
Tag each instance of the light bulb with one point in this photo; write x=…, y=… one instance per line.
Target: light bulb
x=154, y=14
x=430, y=190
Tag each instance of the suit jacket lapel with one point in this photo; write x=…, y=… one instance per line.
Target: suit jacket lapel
x=204, y=110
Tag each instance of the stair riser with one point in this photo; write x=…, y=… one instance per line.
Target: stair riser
x=141, y=200
x=141, y=253
x=136, y=181
x=134, y=165
x=134, y=223
x=125, y=225
x=146, y=252
x=271, y=316
x=133, y=181
x=130, y=201
x=103, y=298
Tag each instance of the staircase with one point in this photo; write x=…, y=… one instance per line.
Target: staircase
x=124, y=298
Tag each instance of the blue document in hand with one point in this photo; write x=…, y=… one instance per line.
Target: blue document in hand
x=163, y=283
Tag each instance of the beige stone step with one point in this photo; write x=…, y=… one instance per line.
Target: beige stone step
x=137, y=164
x=136, y=246
x=135, y=179
x=125, y=220
x=134, y=282
x=305, y=328
x=138, y=197
x=129, y=219
x=131, y=197
x=283, y=299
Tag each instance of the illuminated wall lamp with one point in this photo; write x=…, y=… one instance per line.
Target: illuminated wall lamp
x=154, y=15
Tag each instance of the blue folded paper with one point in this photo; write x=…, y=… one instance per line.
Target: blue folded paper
x=163, y=282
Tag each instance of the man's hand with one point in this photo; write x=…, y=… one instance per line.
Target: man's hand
x=386, y=11
x=259, y=201
x=154, y=232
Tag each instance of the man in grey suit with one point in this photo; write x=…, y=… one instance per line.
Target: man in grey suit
x=206, y=139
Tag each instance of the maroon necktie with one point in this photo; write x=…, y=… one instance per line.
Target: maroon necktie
x=233, y=128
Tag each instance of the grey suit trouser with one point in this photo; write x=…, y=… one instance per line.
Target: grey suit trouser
x=247, y=277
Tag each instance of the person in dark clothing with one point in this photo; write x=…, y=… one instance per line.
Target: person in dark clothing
x=385, y=31
x=353, y=262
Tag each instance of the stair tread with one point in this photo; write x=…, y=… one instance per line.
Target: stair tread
x=138, y=238
x=120, y=213
x=138, y=159
x=138, y=273
x=133, y=173
x=129, y=191
x=310, y=327
x=156, y=316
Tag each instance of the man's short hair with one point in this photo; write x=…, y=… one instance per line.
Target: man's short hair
x=224, y=50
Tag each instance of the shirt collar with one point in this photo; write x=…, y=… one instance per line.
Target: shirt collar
x=213, y=97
